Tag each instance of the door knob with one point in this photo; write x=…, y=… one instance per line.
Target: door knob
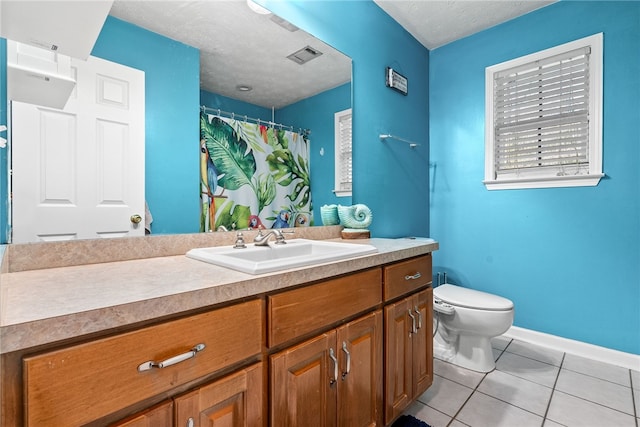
x=136, y=219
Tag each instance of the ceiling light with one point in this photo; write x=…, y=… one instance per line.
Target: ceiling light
x=257, y=8
x=243, y=88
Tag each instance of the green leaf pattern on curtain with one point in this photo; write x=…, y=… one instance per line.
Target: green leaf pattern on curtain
x=252, y=175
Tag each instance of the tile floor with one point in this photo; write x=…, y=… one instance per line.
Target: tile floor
x=531, y=386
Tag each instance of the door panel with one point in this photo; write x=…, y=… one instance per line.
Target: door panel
x=302, y=392
x=423, y=343
x=159, y=416
x=233, y=401
x=398, y=347
x=360, y=384
x=78, y=173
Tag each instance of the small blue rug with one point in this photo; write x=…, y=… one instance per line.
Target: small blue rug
x=409, y=421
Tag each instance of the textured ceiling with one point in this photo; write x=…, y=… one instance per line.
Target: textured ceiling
x=435, y=23
x=240, y=47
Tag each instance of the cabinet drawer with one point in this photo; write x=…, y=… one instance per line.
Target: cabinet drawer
x=301, y=311
x=78, y=384
x=406, y=276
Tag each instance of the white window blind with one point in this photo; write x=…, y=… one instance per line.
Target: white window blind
x=543, y=117
x=343, y=153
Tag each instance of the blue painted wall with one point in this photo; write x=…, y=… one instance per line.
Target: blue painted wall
x=569, y=258
x=172, y=91
x=224, y=103
x=317, y=113
x=391, y=178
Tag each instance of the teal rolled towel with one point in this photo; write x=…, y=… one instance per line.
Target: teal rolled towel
x=329, y=215
x=357, y=216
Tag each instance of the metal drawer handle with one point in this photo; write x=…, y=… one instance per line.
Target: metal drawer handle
x=172, y=360
x=414, y=277
x=419, y=316
x=344, y=348
x=413, y=319
x=332, y=356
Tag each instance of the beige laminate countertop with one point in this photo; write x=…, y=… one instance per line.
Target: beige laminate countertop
x=52, y=304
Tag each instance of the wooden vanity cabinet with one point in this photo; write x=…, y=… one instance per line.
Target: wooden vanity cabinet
x=334, y=378
x=354, y=350
x=408, y=335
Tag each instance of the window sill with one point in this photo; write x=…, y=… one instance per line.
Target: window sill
x=342, y=193
x=548, y=182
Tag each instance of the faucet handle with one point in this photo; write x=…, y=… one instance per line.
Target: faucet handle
x=279, y=237
x=239, y=241
x=280, y=232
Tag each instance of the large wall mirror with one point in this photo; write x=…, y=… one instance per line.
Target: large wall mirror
x=273, y=68
x=242, y=49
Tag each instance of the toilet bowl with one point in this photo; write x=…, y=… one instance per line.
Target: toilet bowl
x=466, y=320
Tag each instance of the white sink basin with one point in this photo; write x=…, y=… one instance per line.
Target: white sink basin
x=275, y=257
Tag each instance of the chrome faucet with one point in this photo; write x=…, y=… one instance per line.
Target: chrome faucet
x=263, y=239
x=239, y=241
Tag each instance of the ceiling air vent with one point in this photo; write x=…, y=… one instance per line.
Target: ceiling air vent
x=304, y=55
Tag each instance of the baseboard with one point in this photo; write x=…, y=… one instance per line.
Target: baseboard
x=578, y=348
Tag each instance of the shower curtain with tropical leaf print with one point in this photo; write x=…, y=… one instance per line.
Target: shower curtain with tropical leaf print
x=252, y=175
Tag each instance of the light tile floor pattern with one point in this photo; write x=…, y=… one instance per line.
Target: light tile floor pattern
x=531, y=386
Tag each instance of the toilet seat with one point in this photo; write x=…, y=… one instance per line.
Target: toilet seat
x=470, y=298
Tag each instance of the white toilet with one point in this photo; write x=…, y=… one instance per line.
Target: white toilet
x=466, y=320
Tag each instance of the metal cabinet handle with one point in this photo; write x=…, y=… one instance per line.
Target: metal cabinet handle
x=413, y=319
x=419, y=316
x=172, y=360
x=344, y=348
x=414, y=277
x=332, y=356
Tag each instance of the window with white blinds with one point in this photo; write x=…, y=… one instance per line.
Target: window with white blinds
x=543, y=118
x=343, y=163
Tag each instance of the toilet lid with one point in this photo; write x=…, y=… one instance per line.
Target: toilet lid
x=470, y=298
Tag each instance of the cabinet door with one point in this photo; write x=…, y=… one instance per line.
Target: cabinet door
x=398, y=358
x=423, y=342
x=360, y=385
x=233, y=401
x=304, y=382
x=158, y=416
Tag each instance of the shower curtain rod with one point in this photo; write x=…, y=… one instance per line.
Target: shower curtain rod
x=243, y=117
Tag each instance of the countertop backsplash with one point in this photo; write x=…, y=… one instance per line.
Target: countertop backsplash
x=41, y=255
